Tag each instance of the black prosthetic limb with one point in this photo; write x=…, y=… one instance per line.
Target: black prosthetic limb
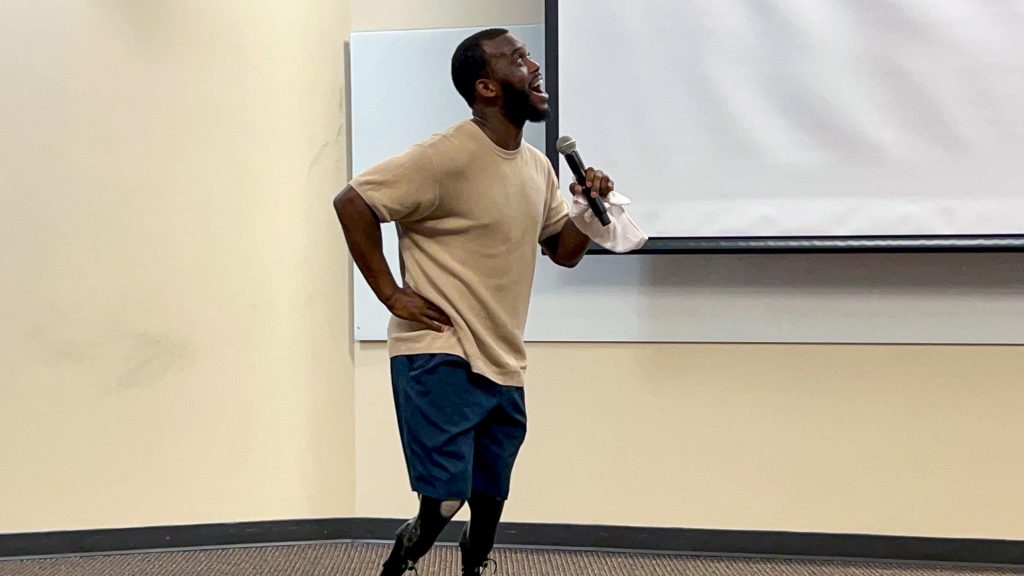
x=415, y=538
x=477, y=539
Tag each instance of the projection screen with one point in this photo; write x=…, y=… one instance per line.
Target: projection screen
x=825, y=119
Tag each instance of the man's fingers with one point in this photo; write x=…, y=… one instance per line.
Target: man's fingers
x=425, y=312
x=435, y=313
x=598, y=188
x=438, y=316
x=590, y=177
x=430, y=322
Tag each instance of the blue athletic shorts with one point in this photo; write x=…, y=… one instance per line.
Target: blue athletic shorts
x=461, y=432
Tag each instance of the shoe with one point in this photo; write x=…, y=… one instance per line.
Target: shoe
x=472, y=566
x=480, y=570
x=398, y=568
x=397, y=564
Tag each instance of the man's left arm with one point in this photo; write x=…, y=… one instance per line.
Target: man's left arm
x=568, y=246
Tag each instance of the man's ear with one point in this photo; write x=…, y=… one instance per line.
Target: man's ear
x=486, y=88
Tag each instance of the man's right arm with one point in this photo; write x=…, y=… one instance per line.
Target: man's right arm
x=362, y=234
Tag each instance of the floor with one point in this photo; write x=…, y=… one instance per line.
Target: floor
x=363, y=559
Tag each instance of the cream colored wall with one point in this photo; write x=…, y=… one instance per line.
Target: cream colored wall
x=414, y=14
x=175, y=334
x=175, y=337
x=853, y=439
x=907, y=440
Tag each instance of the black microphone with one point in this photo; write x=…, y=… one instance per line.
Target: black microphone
x=566, y=146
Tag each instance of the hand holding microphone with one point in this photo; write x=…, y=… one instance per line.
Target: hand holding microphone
x=593, y=184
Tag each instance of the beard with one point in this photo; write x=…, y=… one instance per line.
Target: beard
x=519, y=106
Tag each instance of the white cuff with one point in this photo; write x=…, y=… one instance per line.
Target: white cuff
x=621, y=236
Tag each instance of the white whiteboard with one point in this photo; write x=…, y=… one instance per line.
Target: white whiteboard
x=401, y=93
x=802, y=117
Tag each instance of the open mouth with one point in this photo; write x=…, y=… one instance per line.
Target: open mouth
x=537, y=87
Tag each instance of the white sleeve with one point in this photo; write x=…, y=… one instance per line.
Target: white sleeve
x=621, y=235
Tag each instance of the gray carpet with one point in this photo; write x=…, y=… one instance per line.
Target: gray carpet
x=362, y=559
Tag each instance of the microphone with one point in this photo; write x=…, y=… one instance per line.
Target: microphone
x=566, y=146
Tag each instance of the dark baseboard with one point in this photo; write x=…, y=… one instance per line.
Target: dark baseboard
x=669, y=540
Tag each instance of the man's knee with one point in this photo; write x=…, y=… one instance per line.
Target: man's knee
x=443, y=510
x=449, y=508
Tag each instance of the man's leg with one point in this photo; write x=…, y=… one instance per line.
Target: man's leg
x=497, y=443
x=477, y=539
x=415, y=538
x=438, y=408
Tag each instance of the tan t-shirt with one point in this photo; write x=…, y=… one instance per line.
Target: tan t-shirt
x=470, y=215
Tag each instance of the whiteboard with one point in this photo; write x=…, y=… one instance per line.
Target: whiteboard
x=734, y=118
x=401, y=93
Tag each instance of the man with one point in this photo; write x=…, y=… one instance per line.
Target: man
x=471, y=205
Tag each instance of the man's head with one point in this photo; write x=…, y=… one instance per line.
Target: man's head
x=493, y=69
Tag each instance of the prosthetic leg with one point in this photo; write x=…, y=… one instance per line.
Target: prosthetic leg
x=477, y=539
x=415, y=538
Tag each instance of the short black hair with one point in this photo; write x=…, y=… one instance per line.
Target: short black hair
x=469, y=63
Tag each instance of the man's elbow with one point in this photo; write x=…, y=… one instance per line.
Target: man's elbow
x=565, y=262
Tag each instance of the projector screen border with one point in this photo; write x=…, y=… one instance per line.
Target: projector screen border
x=758, y=244
x=826, y=244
